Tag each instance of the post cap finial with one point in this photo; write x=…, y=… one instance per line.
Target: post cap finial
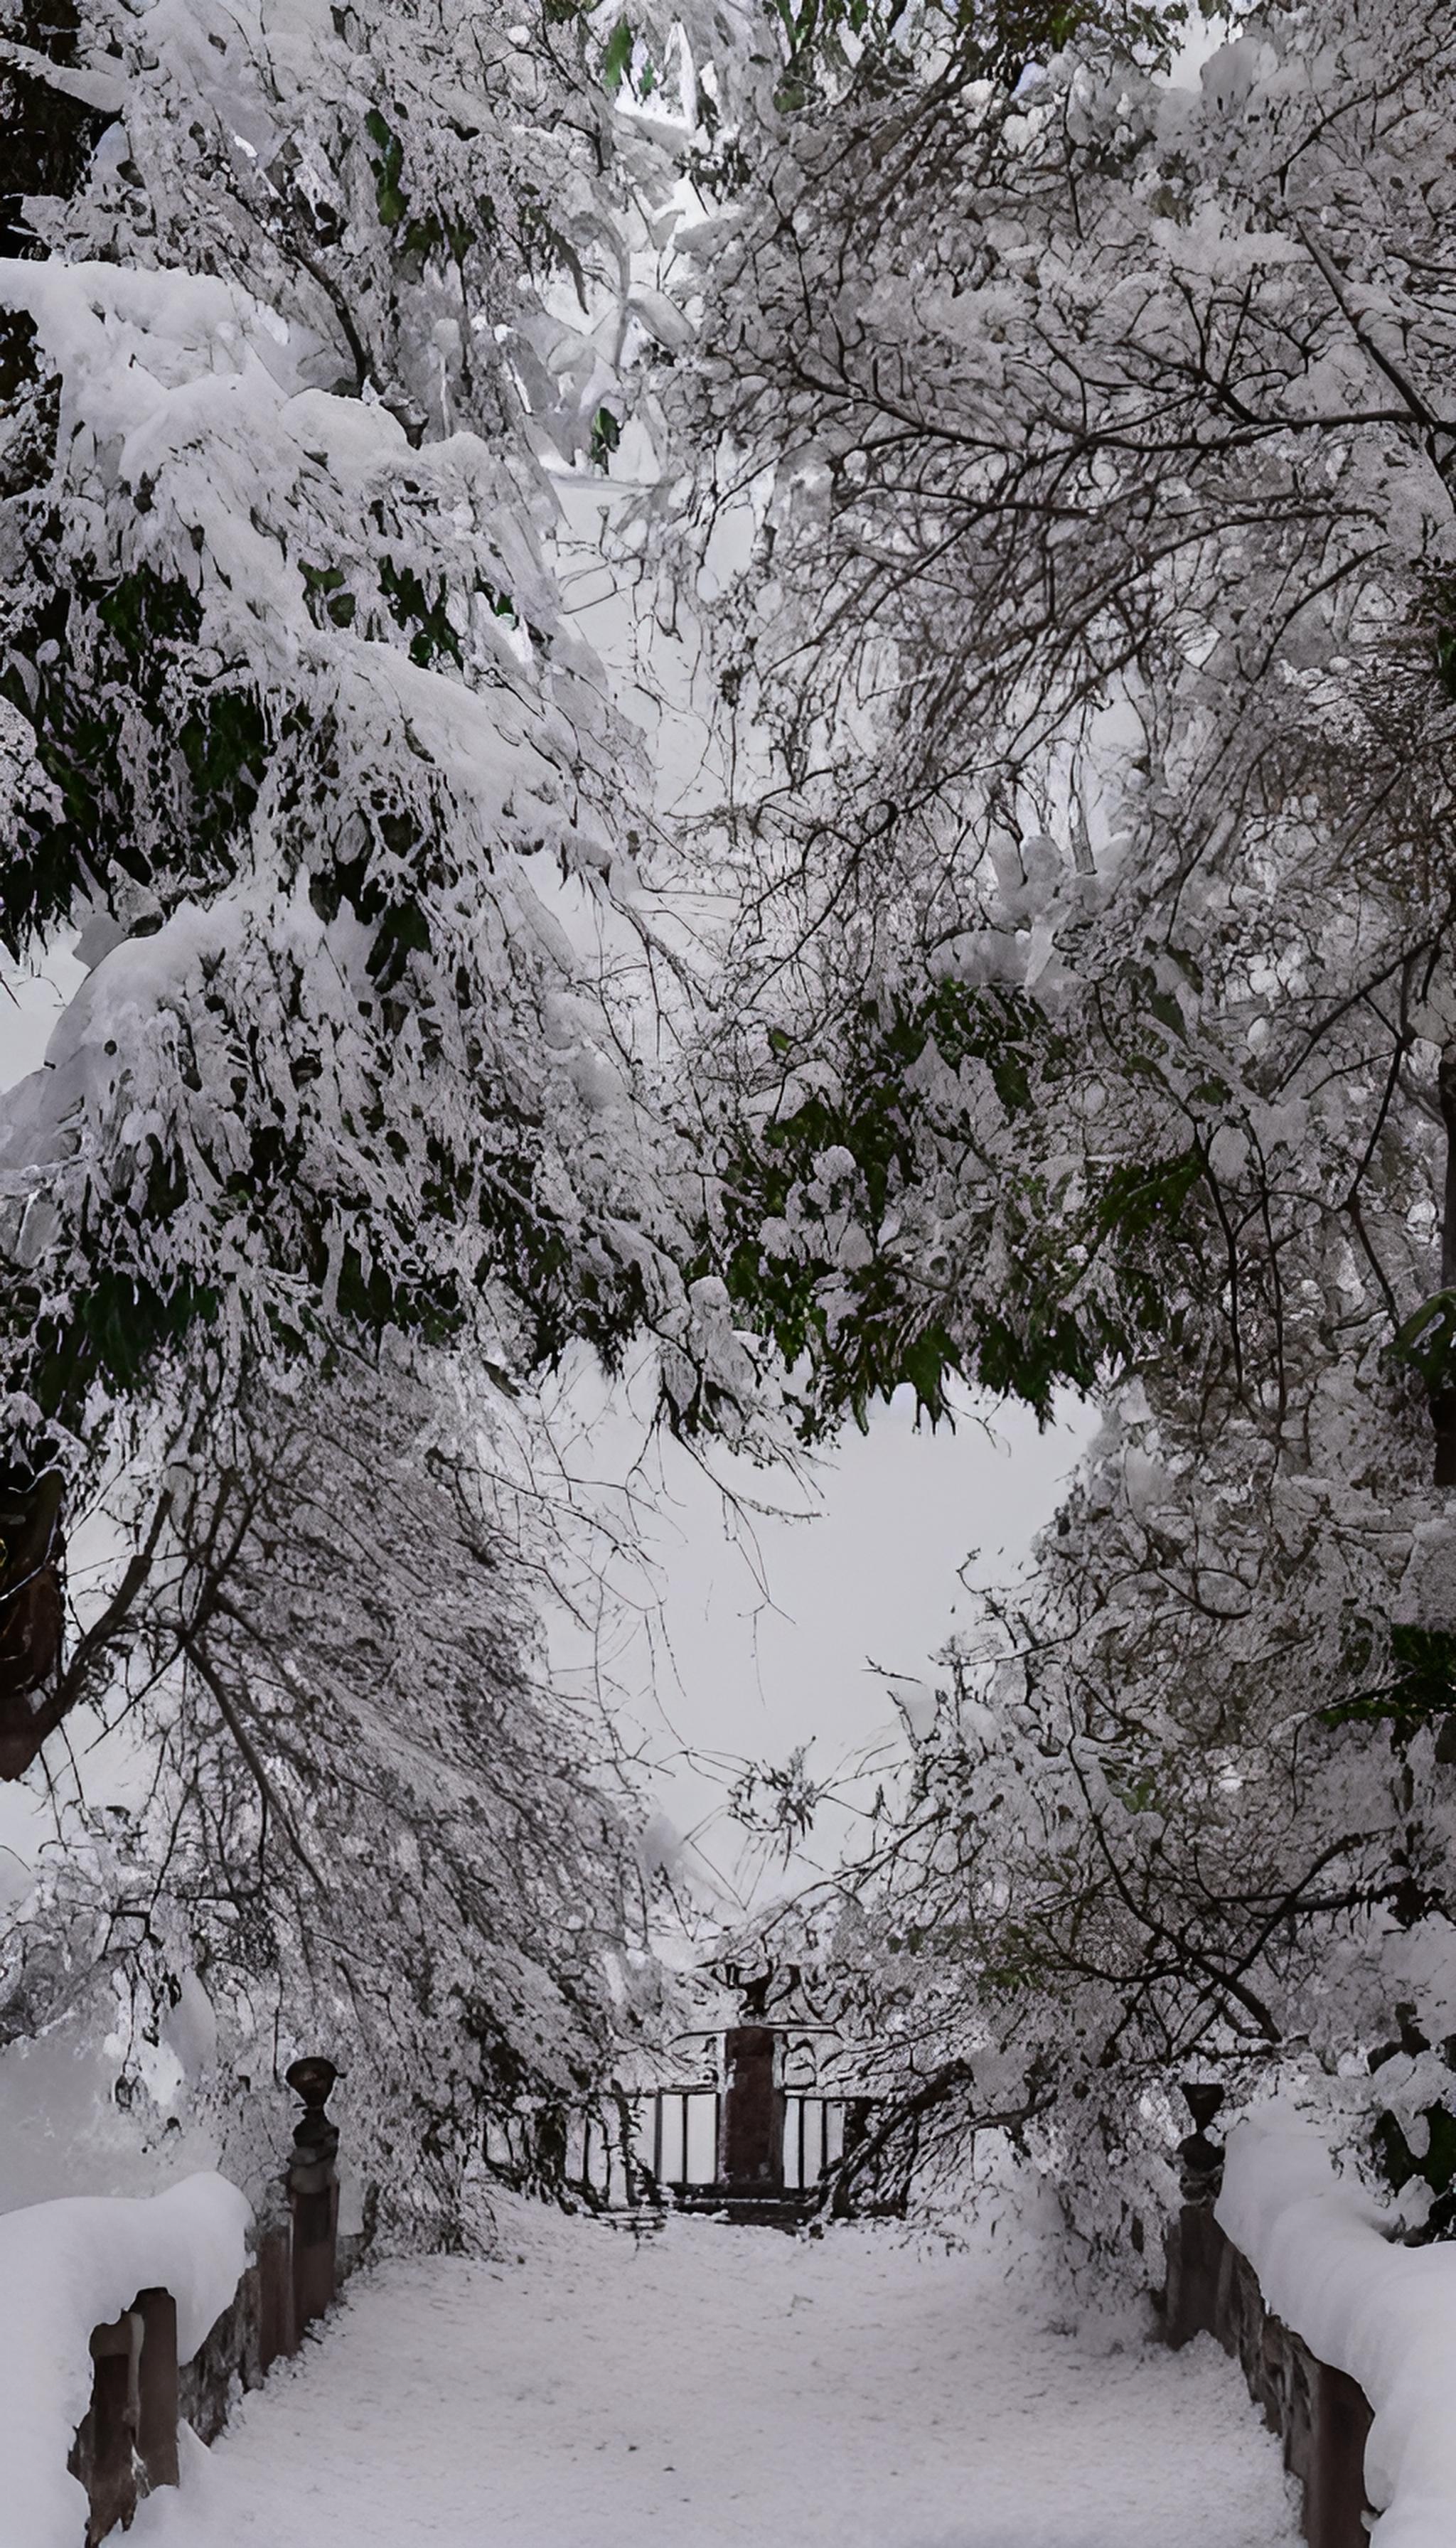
x=1202, y=2098
x=311, y=2079
x=1200, y=2160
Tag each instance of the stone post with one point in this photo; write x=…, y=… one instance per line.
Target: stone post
x=156, y=2387
x=277, y=2333
x=105, y=2454
x=312, y=2192
x=1196, y=2243
x=750, y=2156
x=1334, y=2487
x=126, y=2442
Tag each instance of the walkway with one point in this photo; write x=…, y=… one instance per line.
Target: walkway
x=721, y=2388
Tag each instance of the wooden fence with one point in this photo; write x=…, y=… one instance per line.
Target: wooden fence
x=125, y=2446
x=1322, y=2416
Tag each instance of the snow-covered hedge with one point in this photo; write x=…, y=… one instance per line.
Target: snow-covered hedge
x=1385, y=2314
x=67, y=2267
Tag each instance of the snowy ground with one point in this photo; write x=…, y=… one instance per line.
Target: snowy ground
x=720, y=2384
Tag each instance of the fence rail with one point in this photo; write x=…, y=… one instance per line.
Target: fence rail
x=813, y=2135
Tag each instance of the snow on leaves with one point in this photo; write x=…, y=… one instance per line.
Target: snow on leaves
x=307, y=720
x=1101, y=483
x=296, y=731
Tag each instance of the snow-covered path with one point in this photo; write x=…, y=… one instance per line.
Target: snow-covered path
x=721, y=2386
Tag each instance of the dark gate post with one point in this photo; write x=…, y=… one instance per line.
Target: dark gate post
x=312, y=2192
x=750, y=2159
x=156, y=2399
x=126, y=2441
x=1334, y=2489
x=105, y=2453
x=277, y=2333
x=1196, y=2243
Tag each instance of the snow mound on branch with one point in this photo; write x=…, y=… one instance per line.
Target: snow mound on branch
x=1384, y=2314
x=70, y=2266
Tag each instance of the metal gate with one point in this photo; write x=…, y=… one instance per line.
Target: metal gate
x=675, y=2137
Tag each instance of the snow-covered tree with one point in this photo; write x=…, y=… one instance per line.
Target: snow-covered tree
x=305, y=312
x=300, y=310
x=1091, y=432
x=1186, y=1804
x=357, y=1816
x=296, y=725
x=1094, y=1005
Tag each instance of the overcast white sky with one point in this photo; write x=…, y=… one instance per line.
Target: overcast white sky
x=767, y=1627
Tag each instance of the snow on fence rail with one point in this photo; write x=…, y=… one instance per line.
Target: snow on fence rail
x=123, y=2312
x=1347, y=2337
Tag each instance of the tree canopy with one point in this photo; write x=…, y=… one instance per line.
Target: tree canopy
x=1048, y=452
x=1096, y=616
x=1091, y=1016
x=353, y=1122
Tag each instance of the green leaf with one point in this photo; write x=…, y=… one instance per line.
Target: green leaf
x=607, y=435
x=411, y=606
x=1168, y=1013
x=1426, y=1341
x=225, y=744
x=1420, y=1690
x=616, y=61
x=389, y=196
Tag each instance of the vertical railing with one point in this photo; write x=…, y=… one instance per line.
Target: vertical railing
x=680, y=2131
x=813, y=2137
x=673, y=2137
x=646, y=2144
x=667, y=2144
